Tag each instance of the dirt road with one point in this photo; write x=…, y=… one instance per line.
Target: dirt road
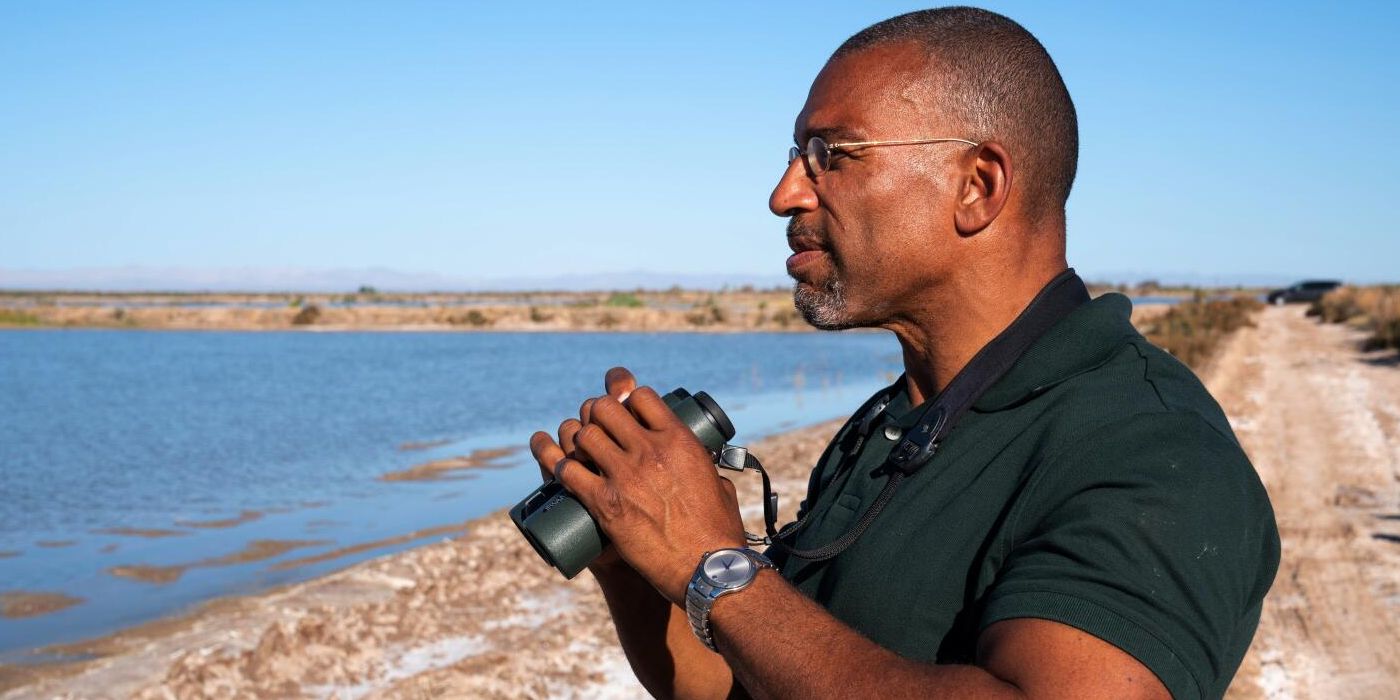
x=1321, y=422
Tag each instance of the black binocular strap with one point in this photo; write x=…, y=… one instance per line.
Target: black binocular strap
x=1055, y=301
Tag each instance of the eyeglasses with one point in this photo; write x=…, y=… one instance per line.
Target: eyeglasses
x=819, y=152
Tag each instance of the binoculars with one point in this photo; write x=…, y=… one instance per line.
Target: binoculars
x=562, y=531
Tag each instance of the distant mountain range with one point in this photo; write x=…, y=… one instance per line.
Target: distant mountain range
x=287, y=279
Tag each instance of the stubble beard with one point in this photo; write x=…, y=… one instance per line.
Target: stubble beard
x=823, y=307
x=822, y=304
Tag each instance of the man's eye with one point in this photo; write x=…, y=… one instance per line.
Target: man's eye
x=838, y=156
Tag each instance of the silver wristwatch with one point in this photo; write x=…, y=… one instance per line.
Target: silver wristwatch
x=720, y=572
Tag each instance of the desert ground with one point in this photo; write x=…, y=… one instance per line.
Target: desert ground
x=480, y=616
x=1321, y=422
x=729, y=310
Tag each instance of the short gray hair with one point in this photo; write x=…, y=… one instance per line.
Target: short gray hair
x=1001, y=84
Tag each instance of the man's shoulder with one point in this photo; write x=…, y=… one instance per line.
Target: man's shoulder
x=1094, y=369
x=1138, y=387
x=1145, y=417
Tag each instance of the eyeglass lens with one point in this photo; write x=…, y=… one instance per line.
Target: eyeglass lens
x=818, y=155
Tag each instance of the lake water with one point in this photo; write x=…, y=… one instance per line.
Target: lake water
x=290, y=432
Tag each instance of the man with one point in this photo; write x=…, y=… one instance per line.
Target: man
x=1090, y=528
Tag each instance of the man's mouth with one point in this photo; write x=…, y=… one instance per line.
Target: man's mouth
x=807, y=251
x=799, y=262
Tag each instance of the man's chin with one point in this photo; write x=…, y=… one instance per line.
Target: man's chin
x=824, y=308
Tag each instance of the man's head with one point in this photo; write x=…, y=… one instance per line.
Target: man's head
x=887, y=222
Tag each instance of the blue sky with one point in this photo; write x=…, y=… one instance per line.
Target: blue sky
x=520, y=139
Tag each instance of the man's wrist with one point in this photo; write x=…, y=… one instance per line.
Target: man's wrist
x=685, y=570
x=731, y=603
x=722, y=573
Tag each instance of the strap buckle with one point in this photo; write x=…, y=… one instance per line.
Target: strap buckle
x=733, y=458
x=921, y=443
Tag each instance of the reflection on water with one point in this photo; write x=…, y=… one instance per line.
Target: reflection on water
x=216, y=454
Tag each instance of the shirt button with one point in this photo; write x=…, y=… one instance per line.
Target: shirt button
x=892, y=432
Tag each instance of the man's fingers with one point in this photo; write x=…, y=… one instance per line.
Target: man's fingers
x=583, y=484
x=567, y=430
x=585, y=412
x=546, y=452
x=650, y=409
x=594, y=444
x=619, y=382
x=618, y=422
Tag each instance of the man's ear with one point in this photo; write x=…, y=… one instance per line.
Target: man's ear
x=986, y=185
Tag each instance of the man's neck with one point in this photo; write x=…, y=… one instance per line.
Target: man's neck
x=942, y=334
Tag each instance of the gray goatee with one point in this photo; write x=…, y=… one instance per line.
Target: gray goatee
x=822, y=306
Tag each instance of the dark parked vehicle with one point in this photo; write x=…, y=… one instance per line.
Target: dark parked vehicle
x=1309, y=290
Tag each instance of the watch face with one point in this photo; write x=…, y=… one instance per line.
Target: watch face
x=728, y=567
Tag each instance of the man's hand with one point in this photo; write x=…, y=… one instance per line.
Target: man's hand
x=656, y=493
x=548, y=453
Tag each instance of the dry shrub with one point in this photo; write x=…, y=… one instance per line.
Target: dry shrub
x=1337, y=306
x=709, y=313
x=785, y=316
x=1375, y=308
x=308, y=315
x=474, y=318
x=1192, y=330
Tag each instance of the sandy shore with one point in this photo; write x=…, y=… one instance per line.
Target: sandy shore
x=677, y=310
x=478, y=616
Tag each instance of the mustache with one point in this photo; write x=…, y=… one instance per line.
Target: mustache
x=798, y=229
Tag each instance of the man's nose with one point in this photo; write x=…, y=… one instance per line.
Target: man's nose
x=795, y=192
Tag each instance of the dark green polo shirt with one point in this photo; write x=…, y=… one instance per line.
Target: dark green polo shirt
x=1096, y=484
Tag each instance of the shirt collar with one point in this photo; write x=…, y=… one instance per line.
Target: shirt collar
x=1081, y=341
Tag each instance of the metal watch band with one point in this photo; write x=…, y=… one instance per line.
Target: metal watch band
x=700, y=595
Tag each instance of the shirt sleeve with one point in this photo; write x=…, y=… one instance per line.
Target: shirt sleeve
x=1153, y=534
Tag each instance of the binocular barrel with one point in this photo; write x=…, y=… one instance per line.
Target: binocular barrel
x=562, y=531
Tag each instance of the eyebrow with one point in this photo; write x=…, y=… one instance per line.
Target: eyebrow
x=830, y=134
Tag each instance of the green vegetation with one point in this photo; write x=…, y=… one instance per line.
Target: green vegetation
x=539, y=316
x=624, y=300
x=13, y=317
x=1375, y=309
x=1192, y=330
